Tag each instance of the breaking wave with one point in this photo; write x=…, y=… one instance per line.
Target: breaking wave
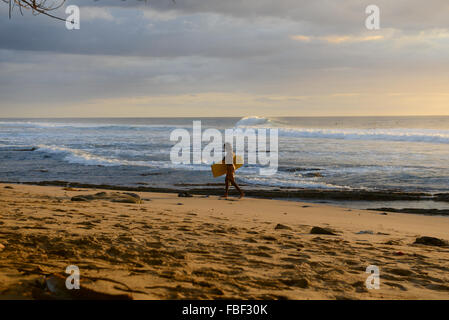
x=408, y=135
x=252, y=121
x=82, y=157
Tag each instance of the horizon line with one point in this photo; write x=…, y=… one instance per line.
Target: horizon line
x=192, y=117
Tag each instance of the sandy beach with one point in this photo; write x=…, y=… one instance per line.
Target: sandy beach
x=203, y=247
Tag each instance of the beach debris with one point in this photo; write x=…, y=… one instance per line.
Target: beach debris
x=9, y=187
x=431, y=241
x=125, y=197
x=399, y=253
x=180, y=204
x=365, y=232
x=281, y=227
x=319, y=230
x=184, y=195
x=2, y=247
x=54, y=287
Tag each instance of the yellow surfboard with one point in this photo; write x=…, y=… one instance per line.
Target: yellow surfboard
x=219, y=169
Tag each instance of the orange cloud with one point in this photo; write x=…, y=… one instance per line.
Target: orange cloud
x=337, y=39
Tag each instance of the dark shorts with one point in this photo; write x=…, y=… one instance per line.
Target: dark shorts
x=230, y=170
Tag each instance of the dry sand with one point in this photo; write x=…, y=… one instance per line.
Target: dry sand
x=207, y=248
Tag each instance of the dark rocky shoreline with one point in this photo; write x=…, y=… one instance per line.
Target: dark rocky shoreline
x=287, y=193
x=428, y=212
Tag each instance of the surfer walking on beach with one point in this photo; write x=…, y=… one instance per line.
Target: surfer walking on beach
x=230, y=170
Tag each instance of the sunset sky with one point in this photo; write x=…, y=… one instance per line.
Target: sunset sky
x=227, y=58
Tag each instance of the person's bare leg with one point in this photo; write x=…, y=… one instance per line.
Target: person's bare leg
x=226, y=187
x=237, y=187
x=229, y=175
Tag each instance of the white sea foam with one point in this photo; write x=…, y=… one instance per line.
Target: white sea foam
x=299, y=183
x=83, y=157
x=406, y=135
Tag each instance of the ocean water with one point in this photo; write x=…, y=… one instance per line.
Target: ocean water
x=373, y=153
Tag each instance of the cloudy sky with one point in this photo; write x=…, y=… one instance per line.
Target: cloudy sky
x=227, y=58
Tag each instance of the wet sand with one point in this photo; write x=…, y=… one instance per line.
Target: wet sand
x=202, y=247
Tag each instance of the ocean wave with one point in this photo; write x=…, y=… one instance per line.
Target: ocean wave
x=405, y=135
x=252, y=121
x=276, y=182
x=82, y=157
x=98, y=126
x=257, y=122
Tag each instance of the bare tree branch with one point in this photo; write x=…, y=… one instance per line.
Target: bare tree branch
x=40, y=6
x=36, y=7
